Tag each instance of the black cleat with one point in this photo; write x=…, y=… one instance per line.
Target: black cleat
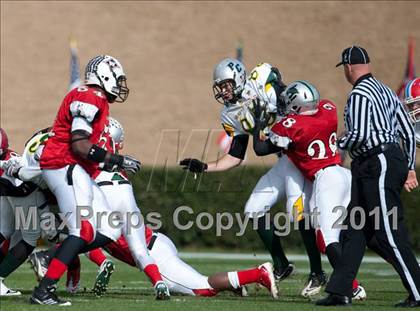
x=43, y=296
x=283, y=273
x=334, y=300
x=408, y=303
x=314, y=284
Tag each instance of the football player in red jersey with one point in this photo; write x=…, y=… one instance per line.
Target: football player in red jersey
x=69, y=159
x=412, y=104
x=307, y=135
x=180, y=277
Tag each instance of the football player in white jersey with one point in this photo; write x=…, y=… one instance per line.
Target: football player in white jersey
x=235, y=92
x=22, y=201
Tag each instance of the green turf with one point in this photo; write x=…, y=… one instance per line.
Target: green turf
x=129, y=290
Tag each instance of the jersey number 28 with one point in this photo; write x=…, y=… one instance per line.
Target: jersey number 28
x=322, y=152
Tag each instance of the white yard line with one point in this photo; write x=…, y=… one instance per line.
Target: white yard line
x=260, y=257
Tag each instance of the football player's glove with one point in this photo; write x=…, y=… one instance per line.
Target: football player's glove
x=193, y=165
x=130, y=164
x=12, y=166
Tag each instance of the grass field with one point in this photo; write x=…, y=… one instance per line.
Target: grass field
x=129, y=290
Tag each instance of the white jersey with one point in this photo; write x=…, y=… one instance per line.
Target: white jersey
x=31, y=170
x=238, y=119
x=230, y=116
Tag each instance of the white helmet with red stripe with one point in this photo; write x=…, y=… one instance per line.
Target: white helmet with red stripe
x=412, y=99
x=4, y=142
x=412, y=105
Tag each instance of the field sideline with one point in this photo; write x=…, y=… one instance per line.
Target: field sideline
x=129, y=290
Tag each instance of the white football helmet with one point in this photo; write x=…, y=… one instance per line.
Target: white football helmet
x=265, y=83
x=301, y=97
x=412, y=105
x=107, y=72
x=116, y=131
x=229, y=80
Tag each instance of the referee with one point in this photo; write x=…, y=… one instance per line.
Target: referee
x=376, y=122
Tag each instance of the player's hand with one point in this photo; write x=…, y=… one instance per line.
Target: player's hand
x=193, y=165
x=12, y=167
x=411, y=181
x=130, y=164
x=261, y=116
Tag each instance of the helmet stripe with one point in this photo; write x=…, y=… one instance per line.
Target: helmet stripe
x=407, y=89
x=310, y=89
x=92, y=66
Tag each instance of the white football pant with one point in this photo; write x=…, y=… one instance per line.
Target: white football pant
x=121, y=199
x=179, y=276
x=283, y=179
x=75, y=191
x=331, y=190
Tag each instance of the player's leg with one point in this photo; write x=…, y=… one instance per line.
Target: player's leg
x=72, y=188
x=263, y=275
x=332, y=197
x=96, y=256
x=6, y=230
x=7, y=219
x=269, y=189
x=298, y=193
x=73, y=276
x=121, y=198
x=30, y=209
x=6, y=247
x=136, y=240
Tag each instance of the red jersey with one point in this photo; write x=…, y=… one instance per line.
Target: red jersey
x=310, y=140
x=85, y=102
x=120, y=250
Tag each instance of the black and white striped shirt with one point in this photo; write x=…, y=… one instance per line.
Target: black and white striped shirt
x=373, y=116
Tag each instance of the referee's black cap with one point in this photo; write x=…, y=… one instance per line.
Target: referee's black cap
x=354, y=55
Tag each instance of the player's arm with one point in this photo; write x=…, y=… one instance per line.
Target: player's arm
x=82, y=147
x=407, y=135
x=233, y=158
x=84, y=114
x=263, y=147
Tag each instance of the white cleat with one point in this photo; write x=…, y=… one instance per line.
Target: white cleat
x=359, y=294
x=39, y=263
x=266, y=279
x=7, y=292
x=244, y=291
x=72, y=288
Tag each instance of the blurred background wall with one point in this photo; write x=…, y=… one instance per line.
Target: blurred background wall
x=169, y=49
